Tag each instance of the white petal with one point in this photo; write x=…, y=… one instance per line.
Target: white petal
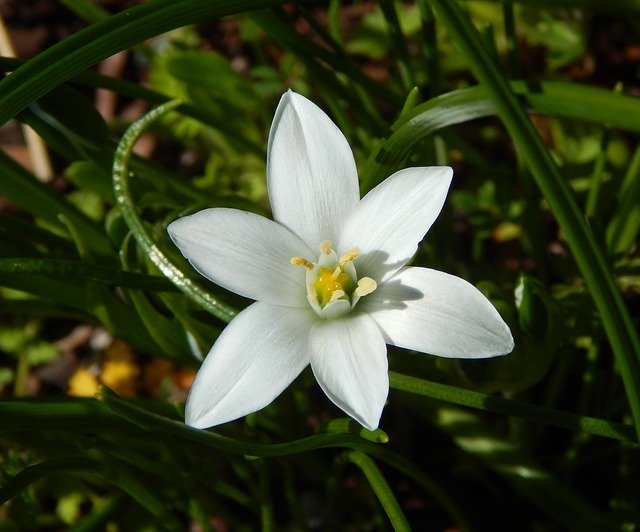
x=311, y=174
x=349, y=360
x=437, y=313
x=392, y=219
x=255, y=358
x=245, y=253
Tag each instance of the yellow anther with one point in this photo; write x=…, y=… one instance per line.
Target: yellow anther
x=325, y=247
x=366, y=285
x=349, y=256
x=301, y=261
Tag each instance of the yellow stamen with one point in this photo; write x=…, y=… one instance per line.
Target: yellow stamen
x=301, y=261
x=325, y=247
x=349, y=256
x=366, y=285
x=336, y=273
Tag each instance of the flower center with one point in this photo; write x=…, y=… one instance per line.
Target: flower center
x=333, y=287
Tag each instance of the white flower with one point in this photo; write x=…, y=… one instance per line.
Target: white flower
x=329, y=279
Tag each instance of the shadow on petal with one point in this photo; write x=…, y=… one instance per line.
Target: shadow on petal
x=394, y=295
x=374, y=264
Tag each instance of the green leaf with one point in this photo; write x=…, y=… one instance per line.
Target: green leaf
x=25, y=191
x=87, y=47
x=90, y=176
x=73, y=269
x=204, y=115
x=22, y=237
x=71, y=112
x=568, y=100
x=211, y=71
x=40, y=353
x=109, y=309
x=624, y=226
x=586, y=251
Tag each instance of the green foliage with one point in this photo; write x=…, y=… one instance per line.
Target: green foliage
x=543, y=216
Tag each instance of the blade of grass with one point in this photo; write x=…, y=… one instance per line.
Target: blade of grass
x=430, y=50
x=174, y=429
x=624, y=7
x=99, y=41
x=130, y=482
x=142, y=236
x=134, y=90
x=381, y=488
x=30, y=234
x=177, y=429
x=597, y=177
x=67, y=415
x=99, y=517
x=522, y=472
x=24, y=190
x=264, y=496
x=624, y=226
x=166, y=332
x=513, y=60
x=316, y=58
x=560, y=99
x=33, y=473
x=399, y=41
x=73, y=269
x=72, y=293
x=509, y=407
x=37, y=308
x=86, y=9
x=117, y=417
x=590, y=259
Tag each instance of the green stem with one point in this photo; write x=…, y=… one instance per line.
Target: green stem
x=500, y=405
x=33, y=473
x=512, y=46
x=381, y=488
x=264, y=491
x=142, y=236
x=22, y=374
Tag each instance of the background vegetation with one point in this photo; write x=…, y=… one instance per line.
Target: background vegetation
x=535, y=105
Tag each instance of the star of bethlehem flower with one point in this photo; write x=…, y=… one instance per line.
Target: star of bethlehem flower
x=328, y=277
